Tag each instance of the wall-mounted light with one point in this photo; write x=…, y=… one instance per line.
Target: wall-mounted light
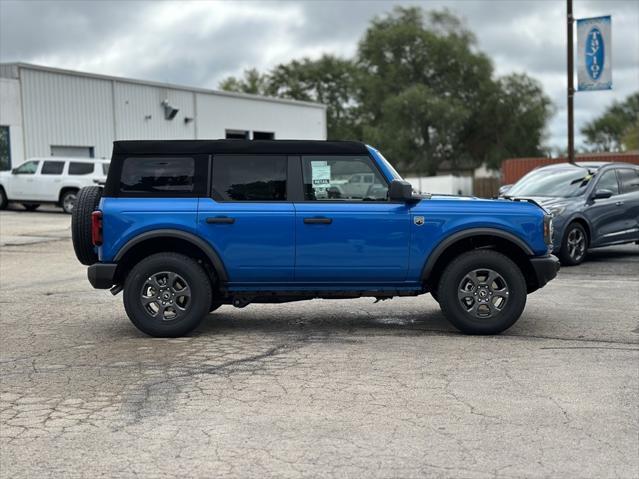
x=169, y=111
x=188, y=119
x=148, y=117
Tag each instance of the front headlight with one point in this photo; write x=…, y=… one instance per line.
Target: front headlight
x=556, y=210
x=548, y=229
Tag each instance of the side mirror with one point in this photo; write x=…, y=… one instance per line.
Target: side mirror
x=14, y=171
x=400, y=190
x=504, y=189
x=602, y=194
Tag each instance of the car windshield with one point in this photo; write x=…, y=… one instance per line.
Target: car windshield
x=558, y=183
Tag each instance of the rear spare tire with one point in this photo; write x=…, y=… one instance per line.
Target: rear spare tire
x=86, y=203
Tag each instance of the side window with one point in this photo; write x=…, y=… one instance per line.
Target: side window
x=629, y=180
x=28, y=168
x=77, y=168
x=52, y=168
x=250, y=177
x=171, y=176
x=348, y=178
x=608, y=181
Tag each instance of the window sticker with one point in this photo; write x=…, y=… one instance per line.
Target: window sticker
x=320, y=173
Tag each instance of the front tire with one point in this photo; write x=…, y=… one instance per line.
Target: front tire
x=167, y=295
x=482, y=292
x=574, y=245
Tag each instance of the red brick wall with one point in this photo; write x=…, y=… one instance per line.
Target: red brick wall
x=513, y=169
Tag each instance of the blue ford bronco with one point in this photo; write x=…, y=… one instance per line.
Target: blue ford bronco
x=185, y=226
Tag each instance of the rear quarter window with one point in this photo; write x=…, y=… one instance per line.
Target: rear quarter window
x=173, y=176
x=76, y=168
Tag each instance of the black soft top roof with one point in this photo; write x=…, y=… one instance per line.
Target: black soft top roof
x=123, y=149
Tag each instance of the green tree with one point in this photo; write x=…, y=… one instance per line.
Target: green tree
x=329, y=80
x=252, y=82
x=630, y=137
x=429, y=97
x=420, y=89
x=607, y=132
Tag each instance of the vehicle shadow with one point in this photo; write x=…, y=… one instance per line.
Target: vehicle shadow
x=45, y=209
x=611, y=253
x=226, y=320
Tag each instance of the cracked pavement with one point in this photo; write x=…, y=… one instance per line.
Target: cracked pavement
x=312, y=389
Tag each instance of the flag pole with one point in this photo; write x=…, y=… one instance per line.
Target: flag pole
x=571, y=85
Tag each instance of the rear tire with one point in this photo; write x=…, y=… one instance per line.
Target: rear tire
x=3, y=199
x=167, y=295
x=86, y=203
x=574, y=245
x=482, y=292
x=30, y=206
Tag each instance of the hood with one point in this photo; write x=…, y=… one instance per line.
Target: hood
x=545, y=201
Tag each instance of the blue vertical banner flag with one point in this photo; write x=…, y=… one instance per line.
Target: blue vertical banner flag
x=594, y=54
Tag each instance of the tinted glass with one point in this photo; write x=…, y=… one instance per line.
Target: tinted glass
x=28, y=168
x=552, y=182
x=629, y=180
x=76, y=168
x=608, y=181
x=250, y=178
x=52, y=168
x=5, y=148
x=349, y=178
x=158, y=175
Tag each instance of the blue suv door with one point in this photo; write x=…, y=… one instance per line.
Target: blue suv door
x=248, y=219
x=346, y=230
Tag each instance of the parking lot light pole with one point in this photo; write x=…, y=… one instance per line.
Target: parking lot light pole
x=571, y=86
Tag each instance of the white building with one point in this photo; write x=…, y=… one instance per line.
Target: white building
x=52, y=112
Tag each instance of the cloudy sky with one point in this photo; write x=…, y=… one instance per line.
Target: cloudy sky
x=200, y=42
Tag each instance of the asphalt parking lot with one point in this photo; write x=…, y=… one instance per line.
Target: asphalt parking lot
x=312, y=389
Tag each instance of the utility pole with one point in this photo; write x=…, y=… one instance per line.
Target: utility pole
x=571, y=86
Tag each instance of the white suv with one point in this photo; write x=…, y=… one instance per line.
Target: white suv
x=50, y=180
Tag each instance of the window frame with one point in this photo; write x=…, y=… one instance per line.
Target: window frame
x=376, y=167
x=290, y=190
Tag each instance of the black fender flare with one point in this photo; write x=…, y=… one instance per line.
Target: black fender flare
x=208, y=250
x=460, y=235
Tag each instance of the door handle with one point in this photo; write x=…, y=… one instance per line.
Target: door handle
x=318, y=221
x=220, y=220
x=619, y=203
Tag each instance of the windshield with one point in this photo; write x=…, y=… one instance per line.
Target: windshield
x=562, y=183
